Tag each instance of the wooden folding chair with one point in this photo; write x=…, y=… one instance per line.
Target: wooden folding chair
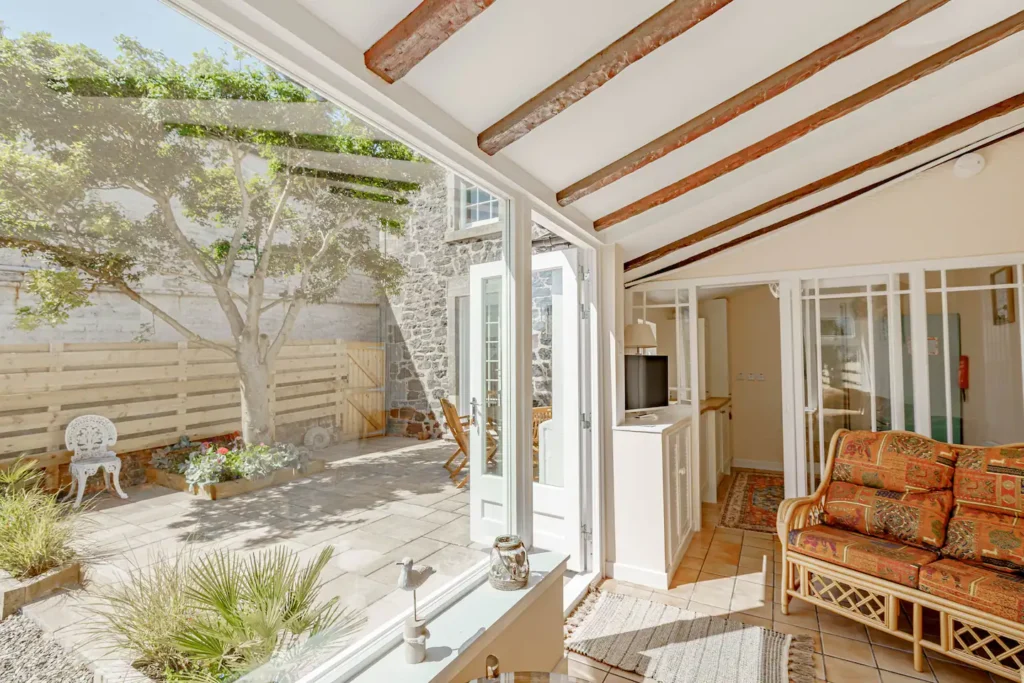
x=457, y=424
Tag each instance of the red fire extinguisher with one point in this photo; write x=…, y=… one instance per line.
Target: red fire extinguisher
x=964, y=377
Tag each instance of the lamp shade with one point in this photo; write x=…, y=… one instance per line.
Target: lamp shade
x=640, y=336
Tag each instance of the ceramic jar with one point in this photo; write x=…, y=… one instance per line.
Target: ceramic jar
x=510, y=567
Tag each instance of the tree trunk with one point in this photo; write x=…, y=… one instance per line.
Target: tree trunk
x=254, y=378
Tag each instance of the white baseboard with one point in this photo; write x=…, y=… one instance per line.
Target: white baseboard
x=757, y=465
x=638, y=575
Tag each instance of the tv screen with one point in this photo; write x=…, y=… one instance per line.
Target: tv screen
x=646, y=382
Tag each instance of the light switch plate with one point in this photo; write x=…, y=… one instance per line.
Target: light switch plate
x=750, y=377
x=760, y=377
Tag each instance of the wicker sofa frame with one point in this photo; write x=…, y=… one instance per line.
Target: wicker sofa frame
x=965, y=634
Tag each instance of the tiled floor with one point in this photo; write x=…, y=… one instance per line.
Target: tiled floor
x=378, y=501
x=734, y=574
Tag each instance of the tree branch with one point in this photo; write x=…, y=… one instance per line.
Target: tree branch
x=243, y=218
x=290, y=316
x=160, y=313
x=275, y=222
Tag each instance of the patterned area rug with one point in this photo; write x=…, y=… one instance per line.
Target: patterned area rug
x=753, y=500
x=671, y=645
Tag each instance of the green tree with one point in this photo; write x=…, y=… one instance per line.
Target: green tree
x=116, y=169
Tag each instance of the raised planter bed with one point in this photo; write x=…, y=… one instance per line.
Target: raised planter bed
x=227, y=489
x=16, y=593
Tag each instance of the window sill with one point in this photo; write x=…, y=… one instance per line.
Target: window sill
x=478, y=232
x=462, y=631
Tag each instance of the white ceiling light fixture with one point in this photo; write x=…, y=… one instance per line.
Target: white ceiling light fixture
x=968, y=165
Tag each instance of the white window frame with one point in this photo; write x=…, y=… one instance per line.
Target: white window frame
x=915, y=290
x=462, y=204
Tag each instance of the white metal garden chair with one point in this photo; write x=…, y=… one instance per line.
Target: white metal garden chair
x=92, y=437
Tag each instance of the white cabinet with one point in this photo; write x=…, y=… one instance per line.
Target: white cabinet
x=651, y=510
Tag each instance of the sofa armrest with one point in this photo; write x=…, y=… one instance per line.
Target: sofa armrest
x=797, y=513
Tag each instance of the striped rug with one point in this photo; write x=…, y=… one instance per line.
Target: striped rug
x=673, y=645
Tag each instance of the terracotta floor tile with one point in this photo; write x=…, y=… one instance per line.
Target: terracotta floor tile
x=843, y=671
x=783, y=627
x=691, y=563
x=829, y=622
x=585, y=672
x=819, y=666
x=751, y=620
x=680, y=601
x=901, y=662
x=800, y=614
x=844, y=648
x=710, y=610
x=890, y=677
x=882, y=638
x=720, y=568
x=954, y=673
x=685, y=575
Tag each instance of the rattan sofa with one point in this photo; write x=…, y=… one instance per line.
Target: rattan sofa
x=969, y=569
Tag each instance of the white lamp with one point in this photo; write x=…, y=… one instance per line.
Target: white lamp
x=640, y=336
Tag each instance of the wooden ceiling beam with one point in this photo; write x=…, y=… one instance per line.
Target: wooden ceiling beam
x=879, y=160
x=670, y=22
x=419, y=34
x=925, y=67
x=776, y=84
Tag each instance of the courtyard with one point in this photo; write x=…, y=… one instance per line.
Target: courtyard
x=378, y=501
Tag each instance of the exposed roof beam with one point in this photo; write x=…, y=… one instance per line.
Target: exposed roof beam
x=954, y=53
x=670, y=22
x=776, y=84
x=895, y=154
x=419, y=34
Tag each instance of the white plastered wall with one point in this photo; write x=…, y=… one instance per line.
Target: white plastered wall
x=930, y=215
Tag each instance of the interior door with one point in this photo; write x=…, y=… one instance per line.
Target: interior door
x=557, y=474
x=487, y=487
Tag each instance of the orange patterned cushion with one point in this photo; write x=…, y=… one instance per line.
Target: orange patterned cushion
x=913, y=518
x=897, y=461
x=884, y=559
x=991, y=478
x=985, y=590
x=987, y=538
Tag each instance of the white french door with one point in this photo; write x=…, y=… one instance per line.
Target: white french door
x=556, y=455
x=488, y=491
x=556, y=451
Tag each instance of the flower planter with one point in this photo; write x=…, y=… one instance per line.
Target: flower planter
x=16, y=593
x=227, y=489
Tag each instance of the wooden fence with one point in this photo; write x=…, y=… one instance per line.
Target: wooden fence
x=157, y=392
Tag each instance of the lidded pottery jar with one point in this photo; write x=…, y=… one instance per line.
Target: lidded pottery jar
x=510, y=567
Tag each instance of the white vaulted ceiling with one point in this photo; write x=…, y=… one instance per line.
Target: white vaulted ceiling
x=514, y=49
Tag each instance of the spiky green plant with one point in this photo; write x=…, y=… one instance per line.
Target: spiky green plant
x=23, y=474
x=221, y=616
x=36, y=532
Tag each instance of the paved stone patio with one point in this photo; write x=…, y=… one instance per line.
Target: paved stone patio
x=378, y=501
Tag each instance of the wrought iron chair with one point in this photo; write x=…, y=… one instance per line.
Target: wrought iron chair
x=91, y=438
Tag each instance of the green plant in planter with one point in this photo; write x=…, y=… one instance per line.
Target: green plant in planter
x=22, y=475
x=219, y=617
x=212, y=464
x=36, y=532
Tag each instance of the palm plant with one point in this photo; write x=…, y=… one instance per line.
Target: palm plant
x=23, y=474
x=221, y=616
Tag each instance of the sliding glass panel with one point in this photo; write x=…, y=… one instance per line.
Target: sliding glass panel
x=255, y=282
x=974, y=333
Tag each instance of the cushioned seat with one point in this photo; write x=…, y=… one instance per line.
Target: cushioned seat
x=875, y=556
x=989, y=591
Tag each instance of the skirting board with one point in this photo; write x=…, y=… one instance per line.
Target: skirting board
x=638, y=575
x=757, y=465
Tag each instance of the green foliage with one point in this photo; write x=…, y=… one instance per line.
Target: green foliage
x=219, y=616
x=35, y=532
x=59, y=292
x=212, y=463
x=20, y=476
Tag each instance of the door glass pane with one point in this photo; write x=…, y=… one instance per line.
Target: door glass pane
x=978, y=344
x=548, y=354
x=491, y=358
x=811, y=382
x=846, y=372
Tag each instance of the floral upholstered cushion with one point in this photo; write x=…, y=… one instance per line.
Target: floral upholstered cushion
x=875, y=556
x=991, y=478
x=913, y=518
x=897, y=461
x=987, y=538
x=991, y=592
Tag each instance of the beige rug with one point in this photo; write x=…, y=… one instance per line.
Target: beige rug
x=672, y=645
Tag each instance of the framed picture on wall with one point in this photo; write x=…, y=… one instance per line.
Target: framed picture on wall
x=1004, y=301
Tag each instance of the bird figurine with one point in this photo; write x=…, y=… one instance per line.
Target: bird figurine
x=411, y=578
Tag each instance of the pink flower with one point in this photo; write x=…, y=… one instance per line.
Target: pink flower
x=222, y=451
x=206, y=444
x=262, y=444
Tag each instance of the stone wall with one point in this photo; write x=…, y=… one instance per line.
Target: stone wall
x=420, y=352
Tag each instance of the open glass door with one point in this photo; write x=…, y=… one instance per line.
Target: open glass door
x=557, y=427
x=487, y=487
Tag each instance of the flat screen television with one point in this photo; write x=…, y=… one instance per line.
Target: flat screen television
x=646, y=382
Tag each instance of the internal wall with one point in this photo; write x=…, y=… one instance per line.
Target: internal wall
x=754, y=348
x=931, y=215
